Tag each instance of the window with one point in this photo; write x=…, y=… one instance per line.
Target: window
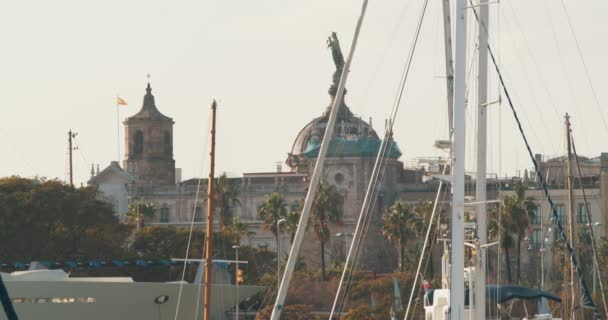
x=582, y=214
x=561, y=212
x=536, y=237
x=168, y=144
x=198, y=214
x=139, y=142
x=536, y=215
x=164, y=215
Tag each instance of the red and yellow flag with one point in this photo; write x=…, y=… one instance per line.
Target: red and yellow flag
x=120, y=101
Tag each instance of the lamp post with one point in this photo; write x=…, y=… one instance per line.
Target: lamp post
x=236, y=278
x=345, y=245
x=281, y=221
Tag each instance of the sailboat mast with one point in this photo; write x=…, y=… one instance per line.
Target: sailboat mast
x=449, y=63
x=316, y=175
x=480, y=186
x=457, y=234
x=577, y=311
x=210, y=211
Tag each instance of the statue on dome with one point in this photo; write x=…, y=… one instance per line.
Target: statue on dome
x=336, y=52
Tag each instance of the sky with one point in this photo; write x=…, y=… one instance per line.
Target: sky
x=266, y=62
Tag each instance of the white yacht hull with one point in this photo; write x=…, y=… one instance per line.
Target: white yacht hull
x=99, y=300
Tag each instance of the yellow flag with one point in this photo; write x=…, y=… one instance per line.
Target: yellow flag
x=120, y=101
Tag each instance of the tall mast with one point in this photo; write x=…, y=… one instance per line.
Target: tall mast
x=577, y=311
x=457, y=234
x=480, y=186
x=449, y=62
x=316, y=175
x=210, y=211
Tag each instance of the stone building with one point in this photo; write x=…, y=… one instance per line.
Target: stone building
x=350, y=160
x=149, y=145
x=543, y=236
x=150, y=166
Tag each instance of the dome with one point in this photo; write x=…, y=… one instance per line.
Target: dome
x=352, y=137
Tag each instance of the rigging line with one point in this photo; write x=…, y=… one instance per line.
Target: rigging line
x=591, y=227
x=318, y=169
x=196, y=197
x=368, y=209
x=534, y=62
x=364, y=218
x=426, y=239
x=408, y=64
x=580, y=54
x=387, y=48
x=564, y=68
x=395, y=108
x=586, y=294
x=528, y=79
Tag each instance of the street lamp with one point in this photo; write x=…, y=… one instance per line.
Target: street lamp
x=236, y=278
x=345, y=245
x=281, y=221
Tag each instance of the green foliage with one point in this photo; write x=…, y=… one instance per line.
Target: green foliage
x=142, y=209
x=272, y=210
x=50, y=220
x=402, y=224
x=237, y=230
x=161, y=241
x=226, y=196
x=517, y=211
x=326, y=208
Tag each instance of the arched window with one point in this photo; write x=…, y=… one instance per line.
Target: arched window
x=168, y=144
x=139, y=142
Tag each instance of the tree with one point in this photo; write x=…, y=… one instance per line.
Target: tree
x=140, y=211
x=226, y=197
x=272, y=210
x=237, y=229
x=293, y=220
x=502, y=229
x=50, y=220
x=326, y=208
x=396, y=223
x=519, y=209
x=164, y=242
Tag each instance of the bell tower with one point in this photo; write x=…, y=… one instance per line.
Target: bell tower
x=149, y=145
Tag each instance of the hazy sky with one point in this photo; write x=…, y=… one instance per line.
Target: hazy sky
x=266, y=61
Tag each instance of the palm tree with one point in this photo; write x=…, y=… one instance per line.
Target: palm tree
x=396, y=223
x=272, y=210
x=504, y=232
x=293, y=219
x=226, y=197
x=325, y=209
x=238, y=229
x=519, y=210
